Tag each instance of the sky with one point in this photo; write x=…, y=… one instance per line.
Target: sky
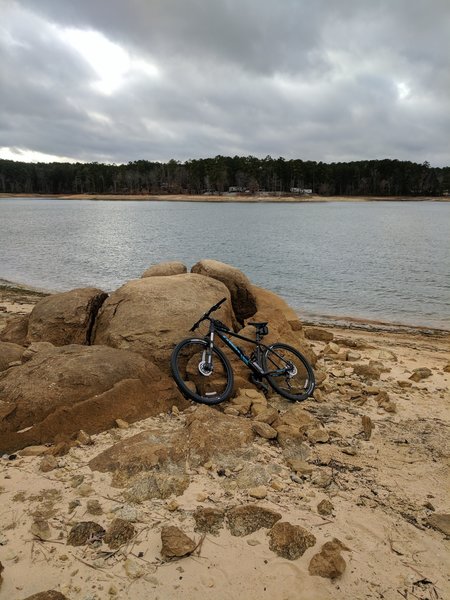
x=326, y=80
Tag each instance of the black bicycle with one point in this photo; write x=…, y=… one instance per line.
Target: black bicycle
x=203, y=373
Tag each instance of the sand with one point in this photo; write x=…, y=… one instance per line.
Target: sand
x=233, y=198
x=383, y=491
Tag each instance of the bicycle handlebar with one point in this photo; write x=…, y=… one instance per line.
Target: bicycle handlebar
x=206, y=315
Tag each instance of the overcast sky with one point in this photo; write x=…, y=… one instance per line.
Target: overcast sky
x=121, y=80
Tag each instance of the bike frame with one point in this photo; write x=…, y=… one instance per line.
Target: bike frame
x=254, y=365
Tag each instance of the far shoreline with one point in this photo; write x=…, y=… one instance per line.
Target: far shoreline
x=225, y=198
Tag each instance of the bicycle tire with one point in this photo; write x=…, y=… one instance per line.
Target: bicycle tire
x=298, y=385
x=185, y=364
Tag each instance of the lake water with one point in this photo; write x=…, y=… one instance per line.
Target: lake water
x=386, y=261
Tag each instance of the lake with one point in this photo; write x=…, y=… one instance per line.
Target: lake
x=385, y=261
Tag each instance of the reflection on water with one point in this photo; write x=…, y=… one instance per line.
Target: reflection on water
x=383, y=260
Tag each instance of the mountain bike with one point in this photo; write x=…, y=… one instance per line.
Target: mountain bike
x=203, y=373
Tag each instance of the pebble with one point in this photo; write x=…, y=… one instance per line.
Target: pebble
x=258, y=492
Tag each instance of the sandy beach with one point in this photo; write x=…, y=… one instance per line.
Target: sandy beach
x=382, y=467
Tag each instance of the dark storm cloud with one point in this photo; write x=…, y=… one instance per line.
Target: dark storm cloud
x=319, y=80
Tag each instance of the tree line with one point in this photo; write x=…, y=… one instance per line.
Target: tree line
x=222, y=174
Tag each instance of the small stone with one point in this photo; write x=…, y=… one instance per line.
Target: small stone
x=267, y=415
x=41, y=529
x=84, y=532
x=173, y=505
x=367, y=372
x=128, y=513
x=331, y=349
x=420, y=373
x=121, y=424
x=321, y=479
x=246, y=519
x=119, y=532
x=440, y=521
x=367, y=424
x=318, y=334
x=209, y=520
x=232, y=412
x=73, y=504
x=328, y=562
x=404, y=384
x=264, y=430
x=387, y=355
x=84, y=438
x=85, y=489
x=175, y=411
x=175, y=543
x=113, y=591
x=76, y=481
x=253, y=542
x=290, y=541
x=318, y=396
x=258, y=492
x=300, y=466
x=318, y=435
x=33, y=451
x=446, y=369
x=47, y=464
x=325, y=507
x=134, y=569
x=278, y=486
x=353, y=355
x=94, y=507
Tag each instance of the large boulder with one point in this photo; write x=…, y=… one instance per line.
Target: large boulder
x=65, y=318
x=15, y=330
x=151, y=315
x=242, y=297
x=10, y=354
x=165, y=269
x=57, y=393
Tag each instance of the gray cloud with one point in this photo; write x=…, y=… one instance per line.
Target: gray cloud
x=319, y=80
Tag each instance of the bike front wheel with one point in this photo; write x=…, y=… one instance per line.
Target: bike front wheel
x=289, y=373
x=198, y=377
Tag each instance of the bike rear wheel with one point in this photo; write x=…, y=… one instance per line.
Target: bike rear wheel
x=292, y=376
x=194, y=376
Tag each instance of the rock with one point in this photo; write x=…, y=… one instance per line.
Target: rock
x=377, y=364
x=165, y=269
x=150, y=316
x=321, y=479
x=404, y=384
x=10, y=353
x=94, y=507
x=264, y=430
x=353, y=355
x=47, y=464
x=267, y=415
x=290, y=541
x=118, y=533
x=446, y=369
x=128, y=513
x=420, y=373
x=175, y=543
x=78, y=387
x=246, y=519
x=41, y=529
x=157, y=485
x=440, y=521
x=367, y=372
x=325, y=507
x=319, y=435
x=367, y=425
x=242, y=297
x=209, y=520
x=331, y=349
x=33, y=451
x=328, y=562
x=258, y=492
x=84, y=532
x=301, y=467
x=84, y=438
x=121, y=424
x=65, y=318
x=318, y=334
x=47, y=595
x=134, y=569
x=15, y=331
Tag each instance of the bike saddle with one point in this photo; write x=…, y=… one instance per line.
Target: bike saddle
x=261, y=328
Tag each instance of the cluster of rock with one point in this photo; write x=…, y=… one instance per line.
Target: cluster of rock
x=83, y=359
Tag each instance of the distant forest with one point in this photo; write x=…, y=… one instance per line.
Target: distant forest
x=222, y=174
